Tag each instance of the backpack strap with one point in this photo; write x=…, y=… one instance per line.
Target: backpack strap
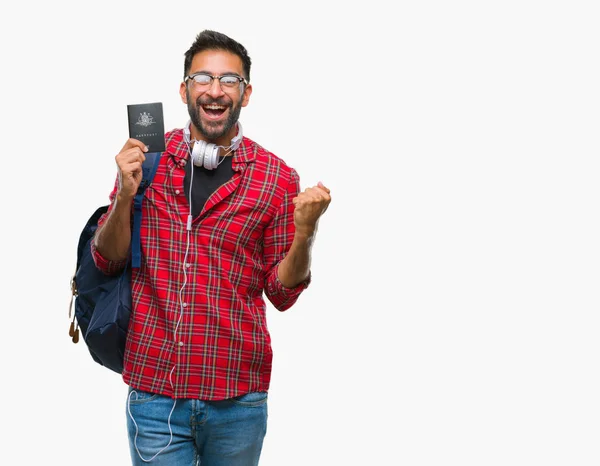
x=148, y=171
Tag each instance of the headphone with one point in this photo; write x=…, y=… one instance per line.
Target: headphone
x=206, y=154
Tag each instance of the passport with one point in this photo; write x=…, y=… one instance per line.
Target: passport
x=146, y=123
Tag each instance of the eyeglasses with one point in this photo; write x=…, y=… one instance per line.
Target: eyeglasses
x=227, y=81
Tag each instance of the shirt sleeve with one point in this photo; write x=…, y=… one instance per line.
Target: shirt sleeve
x=278, y=239
x=108, y=267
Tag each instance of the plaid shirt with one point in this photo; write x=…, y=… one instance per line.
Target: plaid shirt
x=198, y=326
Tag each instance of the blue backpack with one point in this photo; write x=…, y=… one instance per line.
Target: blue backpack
x=103, y=302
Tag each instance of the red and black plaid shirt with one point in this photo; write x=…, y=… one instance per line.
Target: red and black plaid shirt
x=198, y=327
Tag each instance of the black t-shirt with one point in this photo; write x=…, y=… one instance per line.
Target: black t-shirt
x=205, y=182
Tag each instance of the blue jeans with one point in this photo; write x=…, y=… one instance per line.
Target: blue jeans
x=206, y=433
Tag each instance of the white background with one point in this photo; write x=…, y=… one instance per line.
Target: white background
x=453, y=317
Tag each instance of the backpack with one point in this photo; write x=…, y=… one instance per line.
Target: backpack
x=103, y=302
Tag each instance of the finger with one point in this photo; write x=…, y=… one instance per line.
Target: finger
x=134, y=165
x=131, y=143
x=323, y=187
x=131, y=155
x=130, y=168
x=316, y=193
x=320, y=191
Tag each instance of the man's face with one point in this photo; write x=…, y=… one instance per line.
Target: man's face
x=214, y=109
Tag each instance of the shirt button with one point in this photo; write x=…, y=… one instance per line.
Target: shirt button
x=184, y=304
x=188, y=265
x=180, y=343
x=177, y=191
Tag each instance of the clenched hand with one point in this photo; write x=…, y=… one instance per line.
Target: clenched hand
x=309, y=206
x=129, y=161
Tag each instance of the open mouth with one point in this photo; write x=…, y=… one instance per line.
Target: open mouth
x=214, y=111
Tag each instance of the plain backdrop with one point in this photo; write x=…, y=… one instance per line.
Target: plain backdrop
x=453, y=317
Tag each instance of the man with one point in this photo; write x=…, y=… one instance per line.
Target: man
x=224, y=222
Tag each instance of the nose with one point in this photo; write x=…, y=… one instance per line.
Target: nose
x=215, y=89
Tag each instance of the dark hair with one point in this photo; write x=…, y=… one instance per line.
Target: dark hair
x=212, y=40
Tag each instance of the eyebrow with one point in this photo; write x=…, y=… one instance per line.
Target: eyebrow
x=227, y=73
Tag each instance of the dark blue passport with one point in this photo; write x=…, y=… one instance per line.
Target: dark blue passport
x=146, y=123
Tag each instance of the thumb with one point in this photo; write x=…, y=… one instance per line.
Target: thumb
x=322, y=186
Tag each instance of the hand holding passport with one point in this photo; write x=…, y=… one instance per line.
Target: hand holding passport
x=146, y=124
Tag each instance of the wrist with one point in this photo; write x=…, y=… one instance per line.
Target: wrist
x=305, y=235
x=305, y=232
x=124, y=198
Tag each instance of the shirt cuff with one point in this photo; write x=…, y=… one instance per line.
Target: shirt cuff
x=285, y=291
x=106, y=266
x=283, y=297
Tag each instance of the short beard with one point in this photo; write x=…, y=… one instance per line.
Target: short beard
x=211, y=133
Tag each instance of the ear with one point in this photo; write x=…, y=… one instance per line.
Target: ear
x=246, y=96
x=182, y=92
